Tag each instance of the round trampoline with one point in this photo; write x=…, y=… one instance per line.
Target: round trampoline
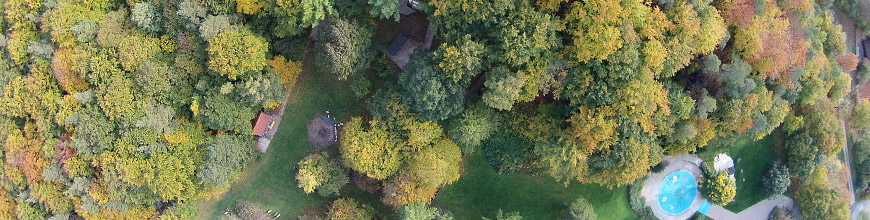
x=677, y=192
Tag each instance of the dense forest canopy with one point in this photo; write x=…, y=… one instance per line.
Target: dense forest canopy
x=142, y=108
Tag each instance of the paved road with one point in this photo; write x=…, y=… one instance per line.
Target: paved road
x=759, y=211
x=858, y=207
x=848, y=157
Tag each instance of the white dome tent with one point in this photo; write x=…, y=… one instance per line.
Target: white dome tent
x=723, y=162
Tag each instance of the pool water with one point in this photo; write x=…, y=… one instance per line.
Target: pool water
x=677, y=192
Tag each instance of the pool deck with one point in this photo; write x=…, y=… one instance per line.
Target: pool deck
x=686, y=162
x=691, y=163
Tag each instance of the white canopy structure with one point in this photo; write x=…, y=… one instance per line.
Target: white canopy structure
x=722, y=162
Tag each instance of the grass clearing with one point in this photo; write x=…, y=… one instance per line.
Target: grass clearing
x=270, y=181
x=481, y=192
x=756, y=157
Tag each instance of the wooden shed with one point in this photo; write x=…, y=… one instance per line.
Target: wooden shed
x=262, y=124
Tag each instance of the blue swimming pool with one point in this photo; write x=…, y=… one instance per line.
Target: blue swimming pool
x=677, y=192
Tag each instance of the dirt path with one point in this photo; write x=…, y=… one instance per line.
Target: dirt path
x=277, y=114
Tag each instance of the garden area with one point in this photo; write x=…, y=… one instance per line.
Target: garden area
x=756, y=157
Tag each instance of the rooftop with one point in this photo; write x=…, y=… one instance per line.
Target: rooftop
x=262, y=124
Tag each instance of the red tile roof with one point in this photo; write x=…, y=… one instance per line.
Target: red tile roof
x=262, y=123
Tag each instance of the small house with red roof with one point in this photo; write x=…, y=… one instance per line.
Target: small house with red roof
x=263, y=124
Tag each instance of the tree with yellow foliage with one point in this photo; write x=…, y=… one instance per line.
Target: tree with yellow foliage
x=287, y=69
x=719, y=189
x=319, y=173
x=235, y=53
x=433, y=167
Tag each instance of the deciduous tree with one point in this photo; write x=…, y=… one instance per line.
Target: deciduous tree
x=801, y=155
x=372, y=151
x=226, y=156
x=318, y=172
x=287, y=70
x=236, y=53
x=430, y=169
x=861, y=116
x=594, y=28
x=476, y=124
x=344, y=48
x=147, y=17
x=248, y=7
x=384, y=9
x=818, y=201
x=777, y=180
x=848, y=62
x=223, y=113
x=503, y=88
x=430, y=91
x=213, y=25
x=719, y=189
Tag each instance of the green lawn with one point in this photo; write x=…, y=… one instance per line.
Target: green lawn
x=756, y=157
x=480, y=192
x=269, y=182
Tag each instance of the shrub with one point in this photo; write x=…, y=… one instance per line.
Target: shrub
x=635, y=199
x=699, y=216
x=349, y=209
x=580, y=209
x=649, y=214
x=360, y=86
x=509, y=216
x=638, y=202
x=779, y=213
x=247, y=210
x=418, y=211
